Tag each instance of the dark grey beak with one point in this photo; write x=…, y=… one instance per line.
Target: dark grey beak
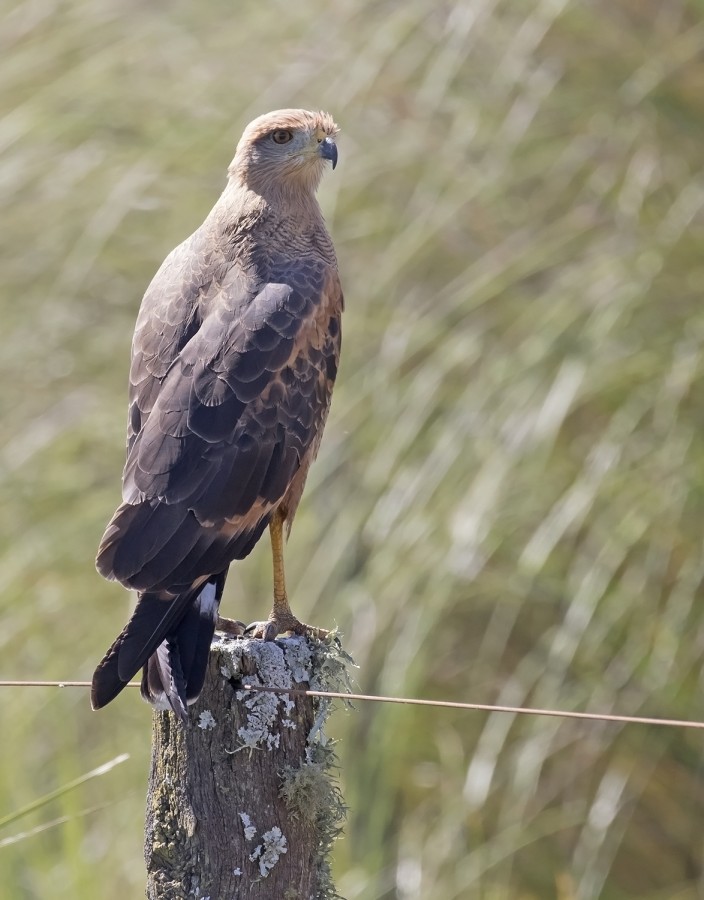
x=328, y=150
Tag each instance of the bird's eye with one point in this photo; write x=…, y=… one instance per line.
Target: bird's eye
x=282, y=136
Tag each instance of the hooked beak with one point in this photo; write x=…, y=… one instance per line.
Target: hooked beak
x=328, y=150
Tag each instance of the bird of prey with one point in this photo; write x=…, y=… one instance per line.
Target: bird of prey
x=234, y=357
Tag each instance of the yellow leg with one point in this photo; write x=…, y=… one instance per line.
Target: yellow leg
x=281, y=619
x=276, y=532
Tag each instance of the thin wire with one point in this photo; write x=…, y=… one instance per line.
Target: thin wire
x=413, y=701
x=486, y=707
x=60, y=684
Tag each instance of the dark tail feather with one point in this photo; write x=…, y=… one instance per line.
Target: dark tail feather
x=171, y=640
x=174, y=675
x=151, y=622
x=196, y=662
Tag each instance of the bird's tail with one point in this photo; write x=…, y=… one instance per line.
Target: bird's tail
x=169, y=640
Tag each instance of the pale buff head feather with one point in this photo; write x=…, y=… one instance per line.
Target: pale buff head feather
x=285, y=151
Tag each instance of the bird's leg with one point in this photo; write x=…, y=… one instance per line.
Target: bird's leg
x=281, y=619
x=276, y=531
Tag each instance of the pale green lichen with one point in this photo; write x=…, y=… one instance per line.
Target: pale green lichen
x=267, y=854
x=206, y=720
x=311, y=791
x=249, y=830
x=264, y=710
x=312, y=794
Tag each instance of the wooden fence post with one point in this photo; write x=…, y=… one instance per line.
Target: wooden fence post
x=241, y=801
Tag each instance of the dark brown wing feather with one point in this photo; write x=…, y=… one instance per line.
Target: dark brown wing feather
x=230, y=384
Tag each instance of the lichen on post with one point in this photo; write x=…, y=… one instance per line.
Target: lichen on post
x=242, y=802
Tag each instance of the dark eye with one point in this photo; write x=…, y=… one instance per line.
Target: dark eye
x=281, y=136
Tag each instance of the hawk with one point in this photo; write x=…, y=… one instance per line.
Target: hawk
x=234, y=358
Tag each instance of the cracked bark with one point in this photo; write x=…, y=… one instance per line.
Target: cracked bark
x=200, y=783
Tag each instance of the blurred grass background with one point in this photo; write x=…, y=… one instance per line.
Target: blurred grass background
x=508, y=502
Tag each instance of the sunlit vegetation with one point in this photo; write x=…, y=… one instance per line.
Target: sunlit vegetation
x=509, y=500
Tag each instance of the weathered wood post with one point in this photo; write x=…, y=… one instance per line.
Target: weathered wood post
x=241, y=801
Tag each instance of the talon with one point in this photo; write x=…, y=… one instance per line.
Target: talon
x=270, y=631
x=276, y=625
x=259, y=631
x=318, y=633
x=230, y=626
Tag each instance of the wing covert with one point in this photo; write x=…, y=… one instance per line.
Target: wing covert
x=243, y=400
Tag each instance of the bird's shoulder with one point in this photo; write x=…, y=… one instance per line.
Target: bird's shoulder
x=172, y=307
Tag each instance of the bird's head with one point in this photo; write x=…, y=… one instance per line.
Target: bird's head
x=285, y=152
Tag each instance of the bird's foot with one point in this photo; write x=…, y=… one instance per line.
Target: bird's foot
x=230, y=626
x=282, y=622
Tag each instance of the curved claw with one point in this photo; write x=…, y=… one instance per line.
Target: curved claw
x=265, y=631
x=230, y=626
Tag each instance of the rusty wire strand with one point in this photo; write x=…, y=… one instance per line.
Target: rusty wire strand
x=413, y=701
